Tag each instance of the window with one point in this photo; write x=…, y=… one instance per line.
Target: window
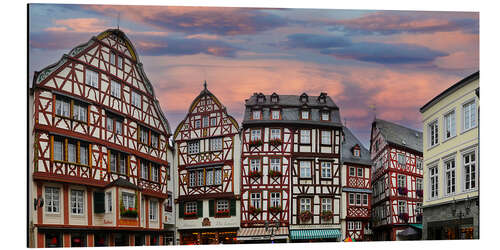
x=419, y=184
x=275, y=114
x=401, y=207
x=222, y=205
x=358, y=199
x=351, y=225
x=326, y=137
x=193, y=147
x=71, y=151
x=470, y=171
x=433, y=175
x=154, y=139
x=205, y=121
x=305, y=136
x=255, y=165
x=79, y=111
x=116, y=89
x=305, y=204
x=325, y=116
x=418, y=207
x=144, y=169
x=352, y=171
x=77, y=202
x=128, y=200
x=62, y=106
x=360, y=172
x=260, y=99
x=365, y=200
x=450, y=176
x=200, y=178
x=112, y=58
x=275, y=133
x=419, y=164
x=352, y=199
x=449, y=125
x=120, y=62
x=213, y=121
x=109, y=202
x=191, y=207
x=114, y=123
x=153, y=210
x=91, y=78
x=117, y=162
x=51, y=200
x=304, y=114
x=215, y=144
x=401, y=180
x=63, y=151
x=135, y=99
x=275, y=164
x=255, y=200
x=355, y=152
x=84, y=153
x=197, y=124
x=154, y=172
x=143, y=135
x=256, y=115
x=433, y=133
x=274, y=99
x=326, y=204
x=192, y=179
x=275, y=199
x=326, y=169
x=402, y=160
x=218, y=176
x=209, y=178
x=255, y=135
x=469, y=115
x=305, y=169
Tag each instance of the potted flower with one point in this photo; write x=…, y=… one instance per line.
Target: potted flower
x=326, y=215
x=420, y=192
x=254, y=210
x=190, y=214
x=275, y=210
x=222, y=213
x=130, y=212
x=402, y=190
x=255, y=143
x=274, y=174
x=255, y=174
x=275, y=142
x=404, y=216
x=305, y=216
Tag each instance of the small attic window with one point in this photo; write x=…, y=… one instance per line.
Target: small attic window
x=304, y=98
x=261, y=98
x=274, y=98
x=322, y=98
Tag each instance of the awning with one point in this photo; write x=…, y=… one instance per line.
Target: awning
x=260, y=233
x=314, y=234
x=419, y=226
x=408, y=232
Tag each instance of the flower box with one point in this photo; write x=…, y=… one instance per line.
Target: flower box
x=255, y=174
x=275, y=174
x=222, y=213
x=275, y=210
x=326, y=215
x=256, y=143
x=404, y=216
x=275, y=142
x=420, y=192
x=305, y=216
x=129, y=213
x=402, y=190
x=190, y=214
x=254, y=210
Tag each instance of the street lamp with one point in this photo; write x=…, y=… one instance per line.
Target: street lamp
x=460, y=214
x=272, y=225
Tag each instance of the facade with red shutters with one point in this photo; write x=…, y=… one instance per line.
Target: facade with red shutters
x=396, y=153
x=99, y=150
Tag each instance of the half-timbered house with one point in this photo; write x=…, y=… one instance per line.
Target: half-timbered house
x=207, y=170
x=356, y=188
x=99, y=152
x=396, y=153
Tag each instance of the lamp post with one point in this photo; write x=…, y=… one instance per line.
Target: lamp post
x=272, y=225
x=460, y=213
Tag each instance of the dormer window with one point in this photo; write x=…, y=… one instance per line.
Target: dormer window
x=256, y=115
x=274, y=98
x=304, y=115
x=322, y=98
x=261, y=98
x=325, y=115
x=304, y=98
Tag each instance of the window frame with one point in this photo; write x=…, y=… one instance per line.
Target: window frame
x=465, y=165
x=273, y=112
x=330, y=168
x=302, y=174
x=433, y=128
x=464, y=125
x=77, y=201
x=272, y=166
x=91, y=83
x=434, y=182
x=271, y=137
x=252, y=134
x=219, y=142
x=329, y=142
x=307, y=112
x=193, y=147
x=135, y=99
x=301, y=140
x=452, y=123
x=116, y=87
x=52, y=198
x=153, y=210
x=275, y=201
x=253, y=197
x=305, y=202
x=328, y=201
x=327, y=113
x=450, y=176
x=256, y=117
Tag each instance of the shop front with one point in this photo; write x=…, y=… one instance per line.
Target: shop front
x=315, y=235
x=256, y=235
x=208, y=237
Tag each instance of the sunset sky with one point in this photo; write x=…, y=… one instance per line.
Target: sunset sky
x=395, y=60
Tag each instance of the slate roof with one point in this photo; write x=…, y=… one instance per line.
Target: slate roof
x=291, y=106
x=348, y=143
x=400, y=135
x=120, y=182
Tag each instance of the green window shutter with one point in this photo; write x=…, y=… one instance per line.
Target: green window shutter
x=211, y=208
x=199, y=208
x=98, y=202
x=232, y=207
x=181, y=209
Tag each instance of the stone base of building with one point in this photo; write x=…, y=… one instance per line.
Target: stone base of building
x=392, y=233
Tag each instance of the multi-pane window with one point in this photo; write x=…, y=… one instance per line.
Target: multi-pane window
x=109, y=202
x=213, y=121
x=255, y=200
x=79, y=111
x=197, y=123
x=326, y=137
x=215, y=144
x=419, y=184
x=84, y=153
x=135, y=99
x=153, y=210
x=112, y=58
x=256, y=115
x=274, y=99
x=91, y=78
x=470, y=171
x=433, y=175
x=191, y=207
x=449, y=125
x=469, y=115
x=358, y=199
x=275, y=114
x=193, y=147
x=63, y=151
x=114, y=123
x=71, y=151
x=275, y=164
x=304, y=114
x=154, y=172
x=325, y=116
x=365, y=200
x=305, y=204
x=116, y=89
x=401, y=180
x=418, y=207
x=117, y=162
x=255, y=165
x=360, y=172
x=205, y=121
x=450, y=176
x=62, y=106
x=199, y=178
x=433, y=133
x=275, y=133
x=154, y=139
x=144, y=169
x=419, y=164
x=352, y=171
x=143, y=135
x=275, y=199
x=326, y=204
x=218, y=176
x=120, y=62
x=209, y=177
x=401, y=207
x=352, y=200
x=402, y=160
x=51, y=200
x=128, y=200
x=192, y=178
x=305, y=169
x=222, y=205
x=305, y=136
x=77, y=202
x=326, y=169
x=255, y=135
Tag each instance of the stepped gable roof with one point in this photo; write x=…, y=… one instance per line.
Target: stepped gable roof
x=290, y=106
x=349, y=142
x=400, y=135
x=120, y=182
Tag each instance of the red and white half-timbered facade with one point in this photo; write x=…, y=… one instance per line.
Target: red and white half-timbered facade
x=207, y=167
x=99, y=154
x=356, y=188
x=396, y=153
